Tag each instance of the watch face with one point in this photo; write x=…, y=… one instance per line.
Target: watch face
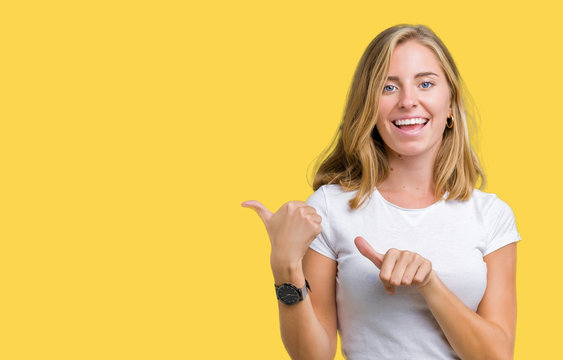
x=288, y=294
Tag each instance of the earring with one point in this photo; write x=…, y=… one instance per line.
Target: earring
x=450, y=122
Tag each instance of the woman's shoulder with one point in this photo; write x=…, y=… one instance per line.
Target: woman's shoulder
x=484, y=197
x=498, y=218
x=486, y=202
x=336, y=192
x=331, y=195
x=334, y=189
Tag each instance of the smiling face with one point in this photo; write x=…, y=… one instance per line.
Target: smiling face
x=415, y=101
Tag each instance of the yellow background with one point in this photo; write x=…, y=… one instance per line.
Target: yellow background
x=132, y=131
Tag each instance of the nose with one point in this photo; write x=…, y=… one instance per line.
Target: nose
x=408, y=98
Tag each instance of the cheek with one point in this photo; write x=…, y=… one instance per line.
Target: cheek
x=385, y=106
x=379, y=126
x=383, y=130
x=439, y=104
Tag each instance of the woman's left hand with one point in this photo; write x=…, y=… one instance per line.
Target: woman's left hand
x=397, y=267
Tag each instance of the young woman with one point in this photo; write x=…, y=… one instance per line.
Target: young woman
x=400, y=252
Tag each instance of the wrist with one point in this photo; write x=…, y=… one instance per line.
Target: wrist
x=430, y=284
x=288, y=273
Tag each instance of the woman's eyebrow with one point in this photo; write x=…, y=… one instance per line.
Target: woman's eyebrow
x=420, y=74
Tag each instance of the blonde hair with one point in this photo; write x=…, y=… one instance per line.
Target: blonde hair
x=359, y=160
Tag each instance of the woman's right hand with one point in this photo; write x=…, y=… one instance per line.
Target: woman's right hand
x=291, y=230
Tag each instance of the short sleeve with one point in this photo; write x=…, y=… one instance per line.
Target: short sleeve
x=321, y=243
x=503, y=229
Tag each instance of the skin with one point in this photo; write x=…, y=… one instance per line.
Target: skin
x=309, y=328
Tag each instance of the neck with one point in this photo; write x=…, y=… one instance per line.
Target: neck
x=413, y=174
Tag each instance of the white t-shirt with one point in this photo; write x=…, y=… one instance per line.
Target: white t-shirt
x=454, y=235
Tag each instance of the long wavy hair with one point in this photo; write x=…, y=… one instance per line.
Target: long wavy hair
x=359, y=159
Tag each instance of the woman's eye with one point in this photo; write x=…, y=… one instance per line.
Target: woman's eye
x=388, y=88
x=426, y=85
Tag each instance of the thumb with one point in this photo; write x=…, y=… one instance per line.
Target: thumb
x=367, y=251
x=262, y=211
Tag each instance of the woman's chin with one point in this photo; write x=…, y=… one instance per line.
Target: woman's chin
x=414, y=151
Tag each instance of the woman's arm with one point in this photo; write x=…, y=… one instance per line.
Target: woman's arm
x=308, y=328
x=490, y=332
x=485, y=334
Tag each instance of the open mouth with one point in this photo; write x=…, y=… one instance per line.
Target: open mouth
x=412, y=124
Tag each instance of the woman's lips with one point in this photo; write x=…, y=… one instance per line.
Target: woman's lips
x=410, y=129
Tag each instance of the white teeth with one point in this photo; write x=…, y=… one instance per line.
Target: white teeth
x=410, y=121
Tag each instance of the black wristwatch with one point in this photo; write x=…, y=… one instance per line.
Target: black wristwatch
x=289, y=294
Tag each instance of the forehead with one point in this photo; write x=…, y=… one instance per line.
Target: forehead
x=413, y=57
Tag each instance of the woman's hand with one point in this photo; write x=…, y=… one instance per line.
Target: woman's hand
x=291, y=229
x=397, y=267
